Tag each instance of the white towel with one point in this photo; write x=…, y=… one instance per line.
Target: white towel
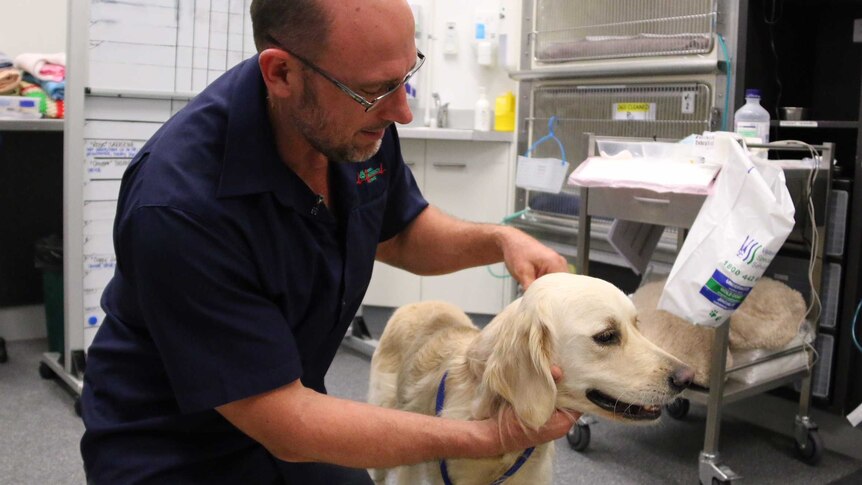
x=33, y=63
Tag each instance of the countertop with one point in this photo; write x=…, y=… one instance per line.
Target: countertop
x=425, y=133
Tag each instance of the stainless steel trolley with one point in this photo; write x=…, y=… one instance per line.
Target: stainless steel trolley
x=680, y=210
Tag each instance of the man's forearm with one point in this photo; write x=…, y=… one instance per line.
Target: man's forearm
x=298, y=424
x=436, y=243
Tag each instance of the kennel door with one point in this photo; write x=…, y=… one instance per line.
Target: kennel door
x=651, y=111
x=567, y=31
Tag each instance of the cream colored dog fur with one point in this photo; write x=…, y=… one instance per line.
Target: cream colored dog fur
x=768, y=318
x=584, y=325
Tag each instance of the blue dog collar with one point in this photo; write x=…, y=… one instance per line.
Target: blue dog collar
x=441, y=398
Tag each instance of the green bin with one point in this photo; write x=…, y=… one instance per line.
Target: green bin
x=49, y=258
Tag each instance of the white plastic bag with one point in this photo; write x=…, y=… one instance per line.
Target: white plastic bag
x=741, y=225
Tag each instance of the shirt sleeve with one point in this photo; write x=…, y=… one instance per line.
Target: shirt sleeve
x=405, y=201
x=220, y=339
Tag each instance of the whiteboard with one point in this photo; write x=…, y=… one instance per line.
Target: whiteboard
x=140, y=60
x=172, y=46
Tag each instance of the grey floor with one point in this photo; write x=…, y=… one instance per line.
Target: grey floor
x=39, y=435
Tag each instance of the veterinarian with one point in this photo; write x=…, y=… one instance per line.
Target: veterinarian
x=245, y=235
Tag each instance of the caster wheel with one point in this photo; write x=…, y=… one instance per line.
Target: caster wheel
x=812, y=452
x=678, y=409
x=716, y=481
x=4, y=356
x=579, y=437
x=46, y=372
x=78, y=406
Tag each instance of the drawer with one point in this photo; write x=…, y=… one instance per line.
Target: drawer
x=641, y=205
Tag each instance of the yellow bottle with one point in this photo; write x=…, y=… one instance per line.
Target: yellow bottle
x=504, y=112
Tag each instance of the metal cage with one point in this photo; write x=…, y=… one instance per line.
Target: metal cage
x=575, y=30
x=666, y=111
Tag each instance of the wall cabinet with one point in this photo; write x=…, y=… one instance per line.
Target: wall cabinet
x=470, y=180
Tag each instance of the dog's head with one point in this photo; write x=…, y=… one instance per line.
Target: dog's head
x=588, y=328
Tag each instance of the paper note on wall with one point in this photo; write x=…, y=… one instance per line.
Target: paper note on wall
x=108, y=159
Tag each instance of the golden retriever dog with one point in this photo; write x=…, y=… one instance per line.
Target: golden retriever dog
x=584, y=325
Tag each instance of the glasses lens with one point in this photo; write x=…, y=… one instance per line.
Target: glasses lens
x=420, y=59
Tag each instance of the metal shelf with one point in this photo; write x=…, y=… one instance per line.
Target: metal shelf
x=841, y=124
x=32, y=125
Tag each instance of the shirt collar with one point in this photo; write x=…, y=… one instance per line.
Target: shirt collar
x=251, y=163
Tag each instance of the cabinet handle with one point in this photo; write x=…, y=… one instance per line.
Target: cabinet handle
x=409, y=163
x=650, y=200
x=449, y=164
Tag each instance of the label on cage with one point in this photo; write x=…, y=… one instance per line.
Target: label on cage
x=688, y=102
x=633, y=111
x=541, y=174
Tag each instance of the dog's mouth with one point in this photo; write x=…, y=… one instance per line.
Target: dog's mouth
x=623, y=409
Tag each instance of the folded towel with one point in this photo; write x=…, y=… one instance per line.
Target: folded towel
x=45, y=67
x=56, y=90
x=10, y=79
x=47, y=106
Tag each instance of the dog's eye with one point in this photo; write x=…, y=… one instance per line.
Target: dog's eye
x=609, y=337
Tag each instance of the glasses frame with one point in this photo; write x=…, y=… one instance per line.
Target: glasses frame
x=367, y=104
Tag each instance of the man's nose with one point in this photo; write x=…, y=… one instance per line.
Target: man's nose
x=395, y=108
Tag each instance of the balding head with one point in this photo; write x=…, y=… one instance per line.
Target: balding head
x=310, y=27
x=300, y=25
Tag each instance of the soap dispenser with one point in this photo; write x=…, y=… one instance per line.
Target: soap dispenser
x=482, y=113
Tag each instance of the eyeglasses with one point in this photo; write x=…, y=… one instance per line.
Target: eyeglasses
x=366, y=103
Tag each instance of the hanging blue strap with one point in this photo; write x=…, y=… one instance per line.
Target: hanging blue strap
x=441, y=394
x=549, y=136
x=444, y=471
x=515, y=466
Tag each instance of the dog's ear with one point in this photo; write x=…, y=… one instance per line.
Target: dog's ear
x=518, y=368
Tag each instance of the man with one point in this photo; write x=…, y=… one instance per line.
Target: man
x=245, y=237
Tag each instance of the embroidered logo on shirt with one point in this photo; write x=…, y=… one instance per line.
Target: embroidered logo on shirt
x=368, y=175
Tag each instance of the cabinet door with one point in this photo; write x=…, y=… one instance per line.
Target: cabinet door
x=468, y=180
x=393, y=287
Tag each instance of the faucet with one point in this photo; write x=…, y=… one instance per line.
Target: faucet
x=442, y=111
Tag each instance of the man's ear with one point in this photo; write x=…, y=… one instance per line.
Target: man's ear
x=280, y=72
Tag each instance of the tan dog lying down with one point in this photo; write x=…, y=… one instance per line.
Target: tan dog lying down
x=584, y=325
x=768, y=318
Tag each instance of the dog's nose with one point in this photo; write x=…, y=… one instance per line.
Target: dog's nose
x=681, y=378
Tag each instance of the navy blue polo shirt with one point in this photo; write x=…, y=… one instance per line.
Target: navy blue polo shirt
x=231, y=280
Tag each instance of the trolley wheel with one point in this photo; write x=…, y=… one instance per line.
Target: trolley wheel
x=46, y=372
x=813, y=450
x=678, y=409
x=4, y=356
x=78, y=406
x=716, y=481
x=579, y=437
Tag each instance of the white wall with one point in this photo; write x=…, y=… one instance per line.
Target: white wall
x=33, y=26
x=40, y=26
x=458, y=77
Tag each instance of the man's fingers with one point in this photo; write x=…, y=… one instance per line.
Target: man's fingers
x=556, y=373
x=560, y=423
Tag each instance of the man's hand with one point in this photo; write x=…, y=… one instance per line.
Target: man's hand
x=526, y=258
x=512, y=436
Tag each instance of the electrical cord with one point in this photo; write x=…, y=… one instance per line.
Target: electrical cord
x=815, y=239
x=853, y=327
x=728, y=77
x=771, y=21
